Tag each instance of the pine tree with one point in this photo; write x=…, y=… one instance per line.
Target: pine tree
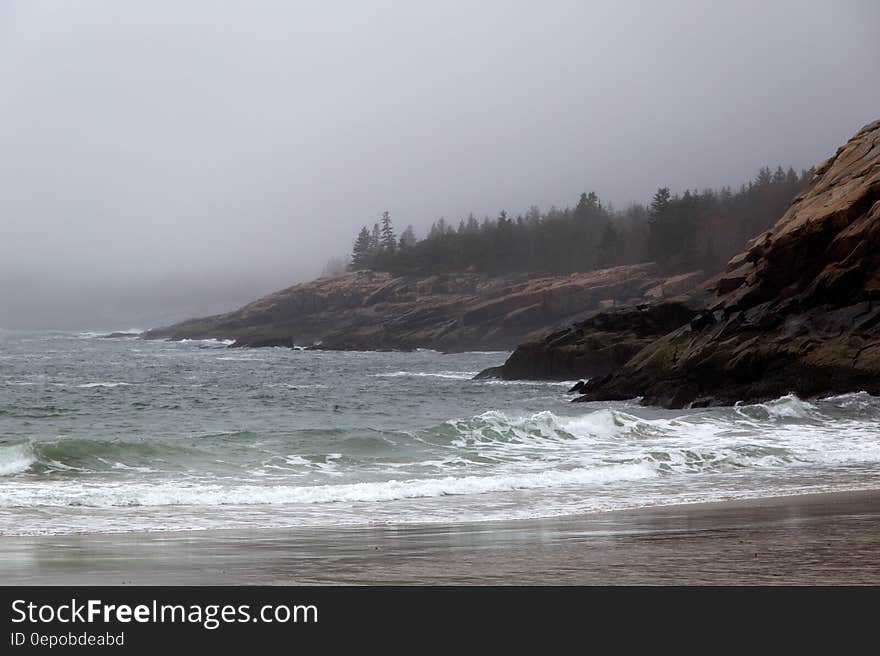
x=697, y=229
x=389, y=241
x=375, y=240
x=407, y=238
x=608, y=250
x=660, y=201
x=656, y=230
x=588, y=208
x=361, y=255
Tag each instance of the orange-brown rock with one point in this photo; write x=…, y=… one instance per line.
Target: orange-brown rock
x=452, y=312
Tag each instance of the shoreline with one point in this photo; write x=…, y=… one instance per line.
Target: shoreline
x=817, y=538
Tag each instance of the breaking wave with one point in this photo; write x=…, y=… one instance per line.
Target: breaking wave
x=15, y=458
x=89, y=441
x=486, y=453
x=204, y=494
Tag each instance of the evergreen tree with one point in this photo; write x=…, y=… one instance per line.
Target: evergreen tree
x=697, y=229
x=533, y=216
x=407, y=238
x=608, y=250
x=375, y=240
x=660, y=201
x=389, y=241
x=588, y=207
x=657, y=241
x=361, y=253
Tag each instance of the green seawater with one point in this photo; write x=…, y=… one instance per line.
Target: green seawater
x=106, y=435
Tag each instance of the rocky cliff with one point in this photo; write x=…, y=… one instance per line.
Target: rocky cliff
x=462, y=311
x=797, y=311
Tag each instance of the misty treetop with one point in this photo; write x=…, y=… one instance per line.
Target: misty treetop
x=681, y=232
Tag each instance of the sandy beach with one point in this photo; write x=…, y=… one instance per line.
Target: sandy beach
x=811, y=539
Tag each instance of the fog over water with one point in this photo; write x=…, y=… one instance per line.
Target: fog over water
x=160, y=160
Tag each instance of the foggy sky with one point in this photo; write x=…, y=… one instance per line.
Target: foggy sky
x=163, y=159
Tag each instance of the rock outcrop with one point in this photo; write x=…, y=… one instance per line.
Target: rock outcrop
x=797, y=311
x=596, y=346
x=452, y=312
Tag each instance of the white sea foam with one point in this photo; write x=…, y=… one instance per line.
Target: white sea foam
x=789, y=406
x=325, y=465
x=297, y=461
x=693, y=443
x=89, y=334
x=388, y=456
x=215, y=343
x=496, y=426
x=15, y=459
x=532, y=383
x=123, y=466
x=206, y=494
x=450, y=375
x=857, y=402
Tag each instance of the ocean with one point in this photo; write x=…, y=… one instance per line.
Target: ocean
x=113, y=435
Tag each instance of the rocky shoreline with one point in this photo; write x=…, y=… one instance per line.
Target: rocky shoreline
x=797, y=312
x=595, y=346
x=369, y=310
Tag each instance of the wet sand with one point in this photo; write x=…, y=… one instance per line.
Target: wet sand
x=810, y=539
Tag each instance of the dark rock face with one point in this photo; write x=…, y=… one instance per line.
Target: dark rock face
x=596, y=346
x=798, y=311
x=452, y=312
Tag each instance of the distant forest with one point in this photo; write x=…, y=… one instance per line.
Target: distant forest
x=681, y=232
